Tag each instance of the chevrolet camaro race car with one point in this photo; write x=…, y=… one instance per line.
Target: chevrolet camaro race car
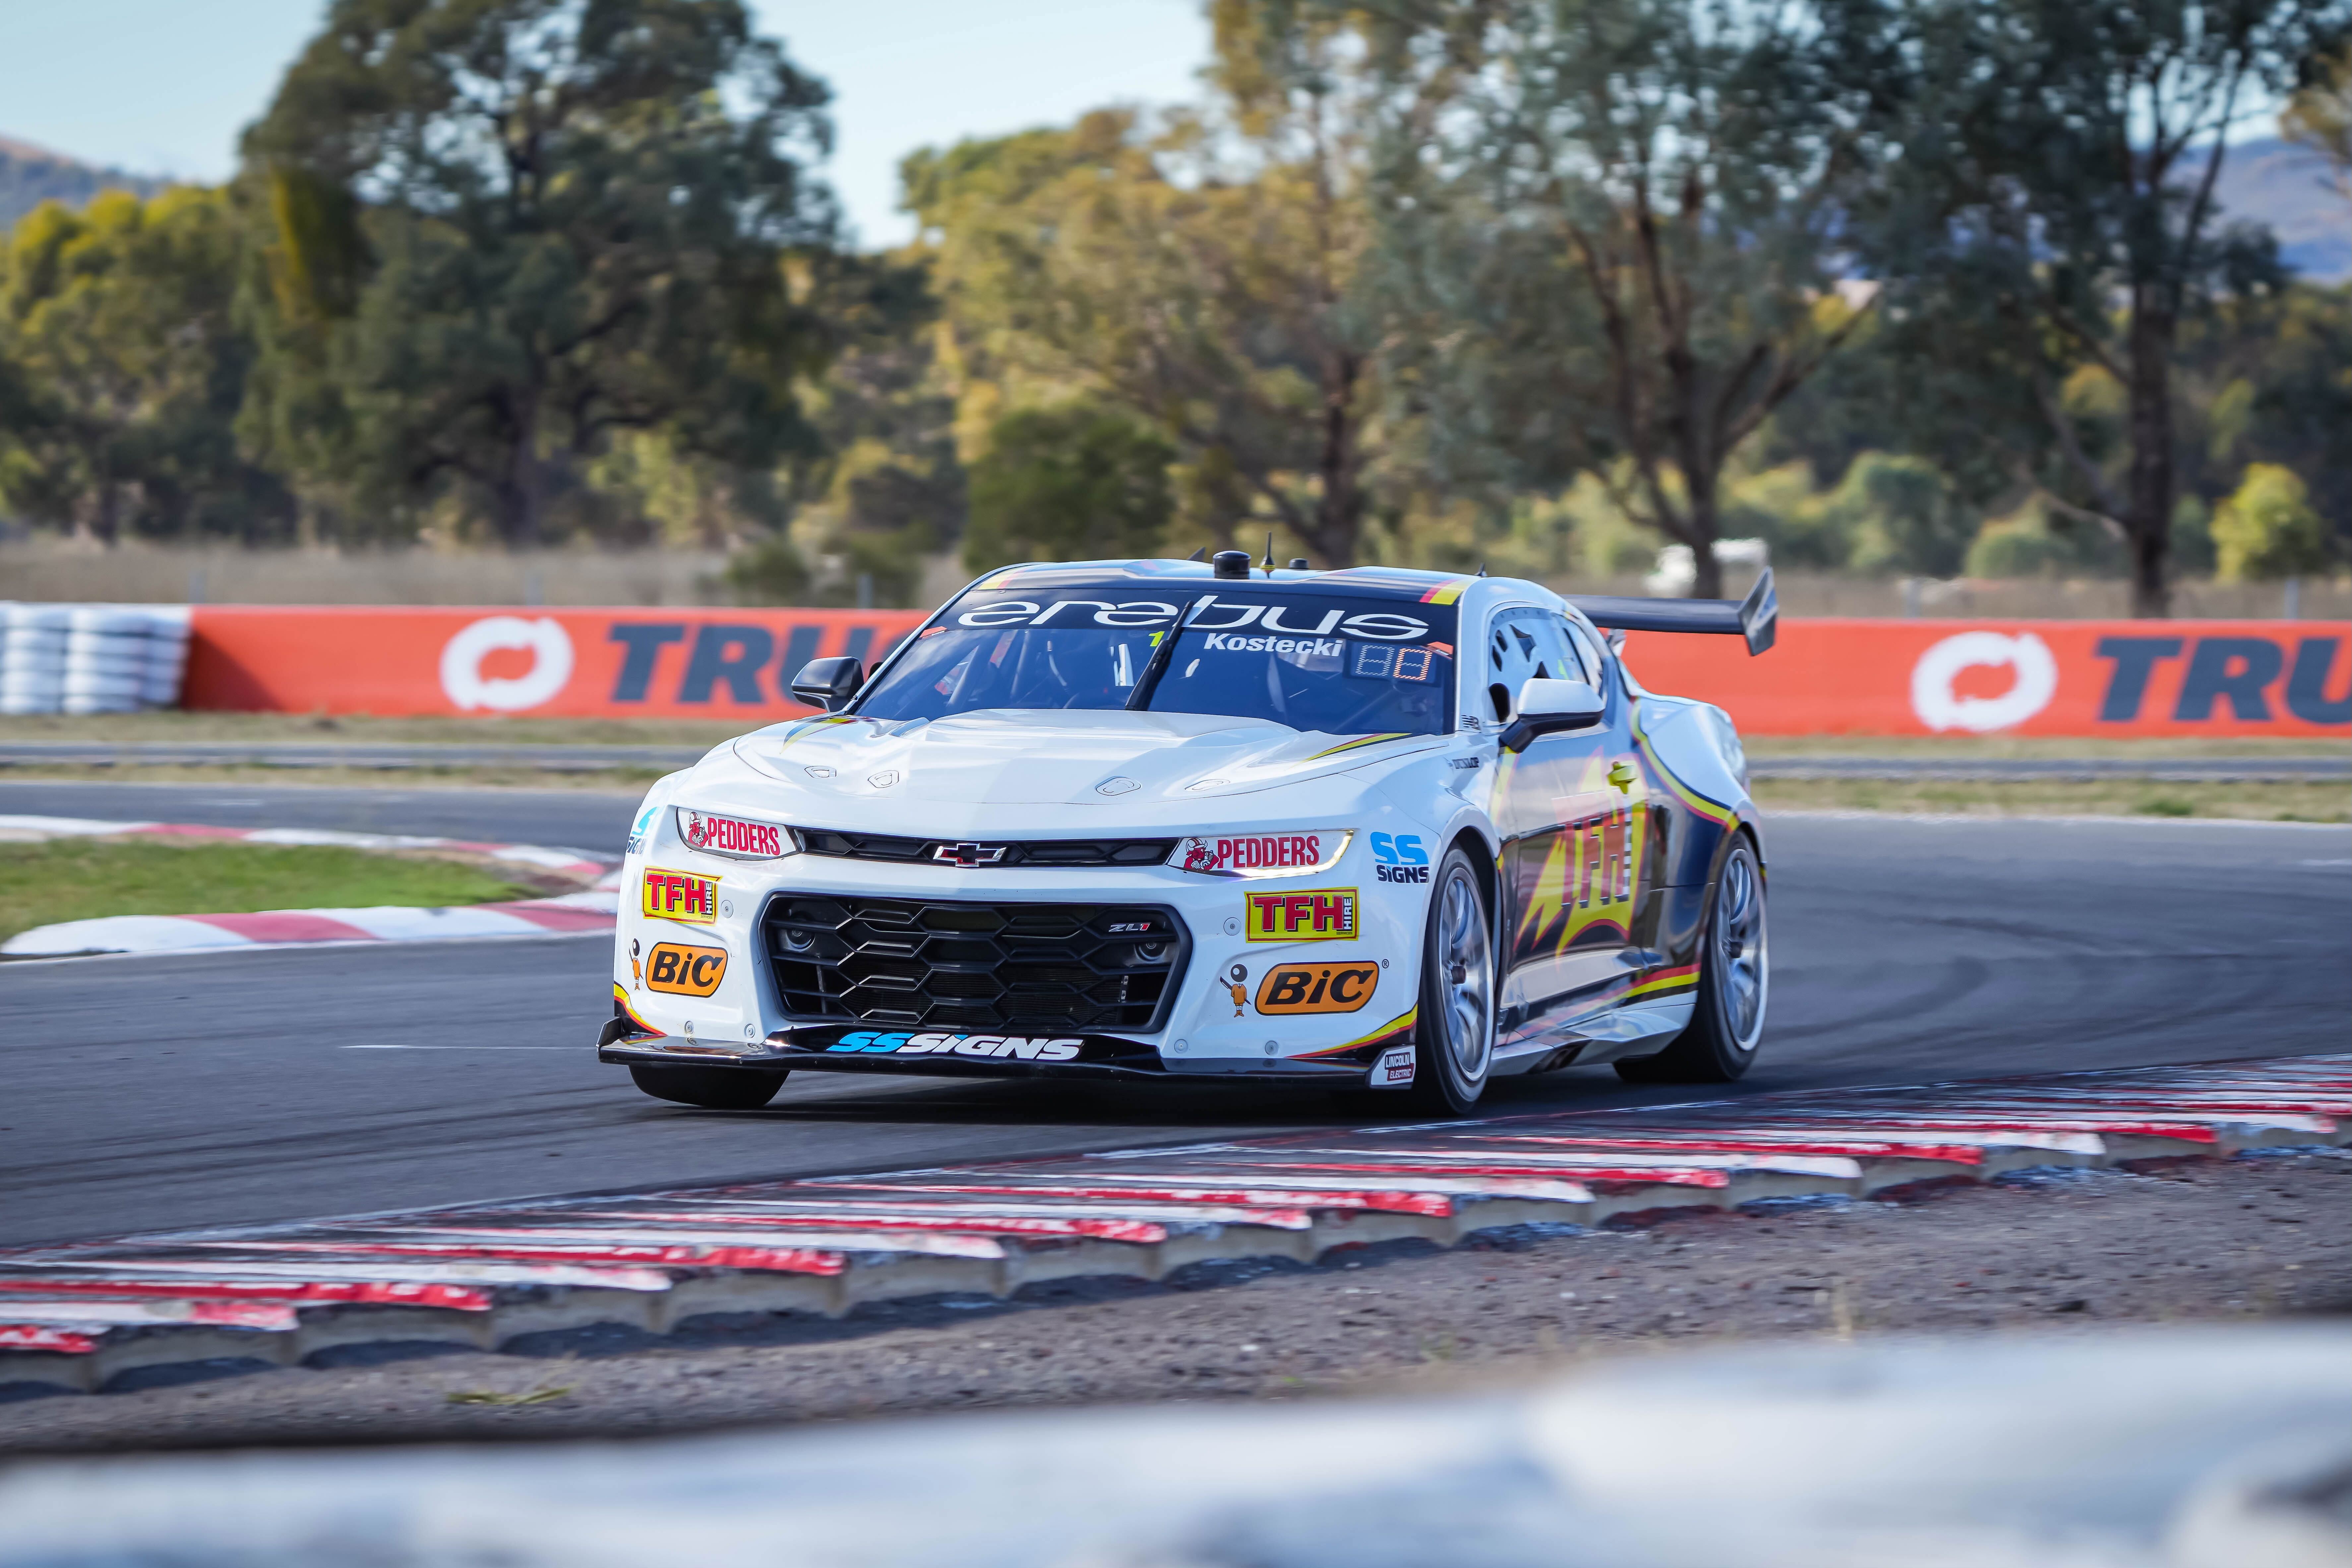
x=1371, y=828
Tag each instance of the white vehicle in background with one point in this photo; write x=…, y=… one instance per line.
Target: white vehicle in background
x=1178, y=820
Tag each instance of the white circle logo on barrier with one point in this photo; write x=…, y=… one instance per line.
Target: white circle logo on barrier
x=1939, y=708
x=461, y=664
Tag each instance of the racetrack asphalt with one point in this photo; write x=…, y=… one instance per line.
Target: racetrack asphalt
x=178, y=1090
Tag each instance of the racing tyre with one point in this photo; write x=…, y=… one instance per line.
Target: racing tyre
x=1453, y=1038
x=713, y=1088
x=1735, y=971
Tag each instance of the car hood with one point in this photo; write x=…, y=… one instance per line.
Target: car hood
x=1020, y=757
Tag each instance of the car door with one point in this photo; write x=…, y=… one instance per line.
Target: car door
x=1567, y=834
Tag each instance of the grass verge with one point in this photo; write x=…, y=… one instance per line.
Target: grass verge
x=83, y=878
x=2245, y=801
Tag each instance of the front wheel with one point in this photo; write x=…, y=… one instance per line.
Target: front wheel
x=1735, y=971
x=713, y=1088
x=1454, y=1038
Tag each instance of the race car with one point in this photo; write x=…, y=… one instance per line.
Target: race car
x=1371, y=828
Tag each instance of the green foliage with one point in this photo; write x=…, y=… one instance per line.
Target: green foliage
x=516, y=229
x=2192, y=537
x=1197, y=272
x=770, y=572
x=1616, y=223
x=2051, y=210
x=1069, y=483
x=2268, y=528
x=118, y=338
x=2037, y=542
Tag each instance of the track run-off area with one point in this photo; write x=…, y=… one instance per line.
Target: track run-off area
x=240, y=1087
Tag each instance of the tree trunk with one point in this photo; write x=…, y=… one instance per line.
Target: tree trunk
x=2147, y=518
x=522, y=489
x=1339, y=505
x=1705, y=527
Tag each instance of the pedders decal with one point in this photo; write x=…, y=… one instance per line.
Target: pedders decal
x=732, y=835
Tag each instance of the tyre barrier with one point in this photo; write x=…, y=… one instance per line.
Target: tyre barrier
x=480, y=1276
x=91, y=659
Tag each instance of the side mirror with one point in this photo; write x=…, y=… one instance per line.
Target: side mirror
x=828, y=683
x=1546, y=707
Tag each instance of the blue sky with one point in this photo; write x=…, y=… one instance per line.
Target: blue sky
x=164, y=86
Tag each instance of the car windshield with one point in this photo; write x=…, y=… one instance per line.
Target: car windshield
x=1343, y=665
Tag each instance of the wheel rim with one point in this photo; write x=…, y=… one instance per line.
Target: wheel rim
x=1739, y=952
x=1465, y=980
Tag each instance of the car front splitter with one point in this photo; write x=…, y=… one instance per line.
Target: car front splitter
x=1328, y=1074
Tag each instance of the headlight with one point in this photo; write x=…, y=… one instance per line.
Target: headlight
x=1285, y=853
x=737, y=837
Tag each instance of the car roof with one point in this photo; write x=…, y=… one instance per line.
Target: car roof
x=1390, y=583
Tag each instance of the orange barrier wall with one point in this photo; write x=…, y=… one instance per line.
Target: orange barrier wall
x=603, y=664
x=1826, y=677
x=2124, y=679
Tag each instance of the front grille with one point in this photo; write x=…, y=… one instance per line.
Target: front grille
x=1001, y=852
x=1031, y=969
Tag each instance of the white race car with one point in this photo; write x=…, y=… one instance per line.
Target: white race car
x=1371, y=828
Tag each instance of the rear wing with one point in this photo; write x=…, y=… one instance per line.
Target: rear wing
x=1757, y=617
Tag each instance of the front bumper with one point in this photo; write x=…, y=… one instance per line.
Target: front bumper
x=835, y=1049
x=1323, y=990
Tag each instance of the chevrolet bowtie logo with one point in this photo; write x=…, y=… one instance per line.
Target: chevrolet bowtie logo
x=968, y=854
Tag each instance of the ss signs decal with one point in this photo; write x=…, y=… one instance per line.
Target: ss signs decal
x=685, y=970
x=1399, y=857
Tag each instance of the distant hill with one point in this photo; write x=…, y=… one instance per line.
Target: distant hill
x=2270, y=181
x=2286, y=186
x=30, y=176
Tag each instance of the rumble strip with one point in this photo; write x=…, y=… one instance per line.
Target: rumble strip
x=82, y=1314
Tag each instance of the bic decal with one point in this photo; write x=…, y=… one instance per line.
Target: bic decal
x=685, y=970
x=1326, y=915
x=681, y=896
x=1317, y=987
x=1584, y=887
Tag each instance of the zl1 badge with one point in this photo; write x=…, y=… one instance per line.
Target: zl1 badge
x=1317, y=987
x=685, y=970
x=1328, y=915
x=679, y=896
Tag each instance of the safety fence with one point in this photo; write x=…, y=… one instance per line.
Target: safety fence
x=2221, y=679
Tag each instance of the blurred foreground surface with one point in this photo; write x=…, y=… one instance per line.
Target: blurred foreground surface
x=2167, y=1447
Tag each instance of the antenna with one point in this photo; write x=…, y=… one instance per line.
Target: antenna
x=1200, y=554
x=1269, y=552
x=1481, y=569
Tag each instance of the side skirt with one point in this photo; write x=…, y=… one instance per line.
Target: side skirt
x=1636, y=1028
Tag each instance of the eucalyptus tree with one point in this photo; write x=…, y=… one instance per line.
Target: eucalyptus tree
x=1614, y=232
x=501, y=231
x=2053, y=214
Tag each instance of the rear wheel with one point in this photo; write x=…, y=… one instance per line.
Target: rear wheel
x=1454, y=1034
x=713, y=1088
x=1735, y=971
